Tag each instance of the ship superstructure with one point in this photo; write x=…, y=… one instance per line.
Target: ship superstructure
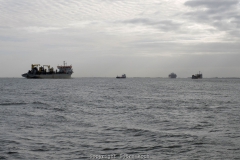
x=172, y=75
x=47, y=72
x=197, y=76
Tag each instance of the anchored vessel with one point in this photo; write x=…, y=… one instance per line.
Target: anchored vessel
x=172, y=75
x=38, y=71
x=123, y=76
x=197, y=76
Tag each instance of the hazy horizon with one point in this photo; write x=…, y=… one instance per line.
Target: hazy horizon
x=106, y=38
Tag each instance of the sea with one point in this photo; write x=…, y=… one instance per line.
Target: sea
x=109, y=118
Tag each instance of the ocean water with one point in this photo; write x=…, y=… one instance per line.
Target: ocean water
x=109, y=118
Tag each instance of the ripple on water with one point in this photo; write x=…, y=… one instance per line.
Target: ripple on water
x=166, y=119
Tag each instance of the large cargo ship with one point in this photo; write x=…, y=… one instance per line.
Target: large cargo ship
x=123, y=76
x=38, y=71
x=172, y=75
x=197, y=76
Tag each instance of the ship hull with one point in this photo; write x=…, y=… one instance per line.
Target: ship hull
x=172, y=76
x=47, y=76
x=198, y=76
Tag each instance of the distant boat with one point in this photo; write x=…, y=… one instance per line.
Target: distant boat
x=197, y=76
x=172, y=75
x=123, y=76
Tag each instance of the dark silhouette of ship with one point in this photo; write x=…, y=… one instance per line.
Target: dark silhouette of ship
x=123, y=76
x=49, y=73
x=197, y=76
x=172, y=75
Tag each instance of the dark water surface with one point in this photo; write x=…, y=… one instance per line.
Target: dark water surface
x=133, y=118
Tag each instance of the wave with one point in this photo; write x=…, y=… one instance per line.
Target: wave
x=2, y=157
x=10, y=104
x=37, y=102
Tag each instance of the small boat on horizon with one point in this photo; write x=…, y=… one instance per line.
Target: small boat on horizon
x=123, y=76
x=197, y=76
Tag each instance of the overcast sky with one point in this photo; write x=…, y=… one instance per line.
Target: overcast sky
x=106, y=38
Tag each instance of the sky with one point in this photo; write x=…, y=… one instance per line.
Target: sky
x=106, y=38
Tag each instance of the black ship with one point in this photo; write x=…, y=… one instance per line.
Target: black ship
x=197, y=76
x=123, y=76
x=172, y=75
x=49, y=73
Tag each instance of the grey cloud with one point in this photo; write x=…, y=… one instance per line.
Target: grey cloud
x=139, y=20
x=148, y=38
x=11, y=39
x=165, y=25
x=215, y=9
x=4, y=27
x=191, y=48
x=222, y=15
x=212, y=4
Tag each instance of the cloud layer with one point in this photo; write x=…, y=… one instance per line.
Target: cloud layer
x=96, y=34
